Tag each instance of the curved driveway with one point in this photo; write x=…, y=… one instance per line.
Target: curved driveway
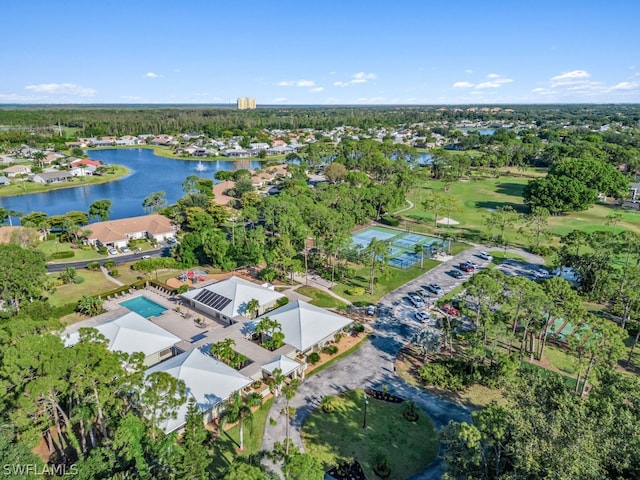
x=372, y=364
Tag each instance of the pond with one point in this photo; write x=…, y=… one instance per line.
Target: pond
x=149, y=173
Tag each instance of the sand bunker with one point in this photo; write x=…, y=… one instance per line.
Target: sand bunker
x=447, y=221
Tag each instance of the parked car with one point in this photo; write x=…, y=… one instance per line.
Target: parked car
x=422, y=317
x=113, y=251
x=455, y=273
x=125, y=249
x=434, y=288
x=466, y=267
x=450, y=310
x=371, y=310
x=146, y=257
x=416, y=300
x=171, y=240
x=485, y=256
x=422, y=295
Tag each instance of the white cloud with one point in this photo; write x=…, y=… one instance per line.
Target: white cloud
x=279, y=100
x=317, y=89
x=468, y=70
x=62, y=89
x=296, y=83
x=152, y=75
x=462, y=85
x=495, y=81
x=356, y=78
x=626, y=86
x=568, y=78
x=493, y=75
x=488, y=85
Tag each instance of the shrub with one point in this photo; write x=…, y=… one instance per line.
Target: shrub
x=389, y=220
x=268, y=274
x=328, y=404
x=102, y=250
x=59, y=255
x=114, y=272
x=93, y=266
x=109, y=264
x=355, y=291
x=442, y=376
x=381, y=465
x=358, y=327
x=78, y=280
x=313, y=358
x=331, y=349
x=281, y=302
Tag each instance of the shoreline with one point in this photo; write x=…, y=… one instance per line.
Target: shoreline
x=93, y=180
x=166, y=153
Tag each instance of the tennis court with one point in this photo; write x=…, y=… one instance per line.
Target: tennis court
x=402, y=245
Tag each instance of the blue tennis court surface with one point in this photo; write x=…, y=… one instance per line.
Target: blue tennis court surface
x=402, y=245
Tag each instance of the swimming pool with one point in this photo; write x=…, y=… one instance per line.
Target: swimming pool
x=143, y=306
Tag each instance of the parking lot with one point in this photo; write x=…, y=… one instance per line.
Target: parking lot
x=398, y=309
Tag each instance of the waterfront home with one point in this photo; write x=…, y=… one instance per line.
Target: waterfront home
x=15, y=170
x=117, y=233
x=208, y=381
x=83, y=171
x=48, y=178
x=4, y=181
x=129, y=333
x=127, y=140
x=219, y=195
x=84, y=161
x=228, y=300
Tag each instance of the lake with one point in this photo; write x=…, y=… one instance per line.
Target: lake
x=149, y=173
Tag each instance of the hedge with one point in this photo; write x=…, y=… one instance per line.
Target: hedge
x=60, y=255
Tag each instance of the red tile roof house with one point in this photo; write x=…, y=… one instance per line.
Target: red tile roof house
x=117, y=233
x=86, y=162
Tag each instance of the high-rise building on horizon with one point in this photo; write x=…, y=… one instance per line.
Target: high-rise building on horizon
x=246, y=103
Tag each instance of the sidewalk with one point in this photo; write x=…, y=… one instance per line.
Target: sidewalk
x=316, y=281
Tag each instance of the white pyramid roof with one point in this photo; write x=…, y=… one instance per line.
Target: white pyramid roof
x=304, y=324
x=208, y=381
x=240, y=292
x=132, y=333
x=285, y=364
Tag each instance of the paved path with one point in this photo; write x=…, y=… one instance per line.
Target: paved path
x=110, y=278
x=372, y=364
x=316, y=281
x=405, y=208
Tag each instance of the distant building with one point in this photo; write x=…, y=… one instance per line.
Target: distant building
x=246, y=103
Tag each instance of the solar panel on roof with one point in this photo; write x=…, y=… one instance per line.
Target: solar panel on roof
x=212, y=299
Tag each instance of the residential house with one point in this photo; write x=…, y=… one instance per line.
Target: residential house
x=117, y=233
x=236, y=153
x=4, y=181
x=16, y=170
x=164, y=140
x=208, y=381
x=219, y=189
x=83, y=171
x=86, y=162
x=131, y=333
x=127, y=140
x=228, y=299
x=48, y=178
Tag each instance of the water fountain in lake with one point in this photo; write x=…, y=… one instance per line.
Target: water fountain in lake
x=201, y=167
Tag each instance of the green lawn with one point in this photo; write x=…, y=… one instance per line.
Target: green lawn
x=331, y=437
x=52, y=246
x=94, y=283
x=226, y=445
x=386, y=282
x=320, y=298
x=477, y=197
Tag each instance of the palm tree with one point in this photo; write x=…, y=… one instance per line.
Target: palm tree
x=275, y=381
x=239, y=411
x=376, y=252
x=223, y=350
x=289, y=391
x=272, y=330
x=90, y=305
x=253, y=307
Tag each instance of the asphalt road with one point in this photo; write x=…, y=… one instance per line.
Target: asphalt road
x=120, y=258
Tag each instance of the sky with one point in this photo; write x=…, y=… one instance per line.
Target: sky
x=325, y=52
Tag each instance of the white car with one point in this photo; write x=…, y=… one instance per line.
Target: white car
x=113, y=251
x=422, y=317
x=485, y=256
x=146, y=257
x=416, y=300
x=125, y=249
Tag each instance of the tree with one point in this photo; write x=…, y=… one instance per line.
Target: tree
x=239, y=470
x=502, y=219
x=537, y=223
x=559, y=194
x=68, y=275
x=376, y=253
x=154, y=202
x=253, y=307
x=22, y=274
x=335, y=172
x=160, y=398
x=289, y=391
x=223, y=350
x=39, y=220
x=100, y=209
x=237, y=410
x=302, y=466
x=270, y=332
x=195, y=458
x=437, y=202
x=90, y=305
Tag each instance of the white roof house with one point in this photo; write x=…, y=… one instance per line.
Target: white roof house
x=229, y=298
x=306, y=326
x=285, y=364
x=132, y=333
x=209, y=381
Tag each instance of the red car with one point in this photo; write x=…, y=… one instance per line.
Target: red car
x=466, y=267
x=450, y=310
